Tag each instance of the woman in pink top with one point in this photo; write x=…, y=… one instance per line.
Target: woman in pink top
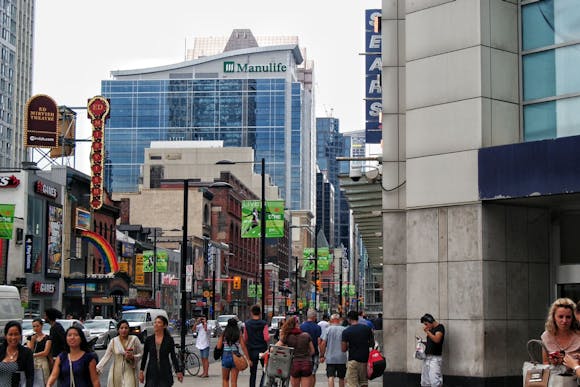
x=561, y=334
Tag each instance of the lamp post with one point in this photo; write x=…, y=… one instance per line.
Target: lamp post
x=183, y=264
x=262, y=228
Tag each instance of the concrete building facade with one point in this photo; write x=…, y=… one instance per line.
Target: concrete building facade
x=478, y=231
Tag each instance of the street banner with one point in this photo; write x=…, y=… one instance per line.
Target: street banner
x=6, y=220
x=148, y=261
x=251, y=215
x=162, y=261
x=323, y=259
x=139, y=276
x=252, y=290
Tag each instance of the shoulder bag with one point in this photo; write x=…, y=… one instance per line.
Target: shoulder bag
x=239, y=360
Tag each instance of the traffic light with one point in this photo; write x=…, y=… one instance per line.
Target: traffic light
x=237, y=282
x=318, y=285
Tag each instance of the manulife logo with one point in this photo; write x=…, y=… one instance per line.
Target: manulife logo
x=272, y=67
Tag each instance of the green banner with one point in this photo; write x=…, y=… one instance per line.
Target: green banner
x=6, y=220
x=252, y=290
x=252, y=212
x=324, y=258
x=162, y=260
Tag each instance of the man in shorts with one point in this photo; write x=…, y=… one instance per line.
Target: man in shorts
x=357, y=339
x=331, y=351
x=202, y=343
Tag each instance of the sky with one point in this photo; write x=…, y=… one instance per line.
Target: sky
x=78, y=43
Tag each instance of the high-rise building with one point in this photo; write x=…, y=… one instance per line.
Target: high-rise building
x=330, y=144
x=250, y=96
x=16, y=43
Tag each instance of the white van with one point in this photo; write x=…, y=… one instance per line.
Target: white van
x=141, y=321
x=10, y=306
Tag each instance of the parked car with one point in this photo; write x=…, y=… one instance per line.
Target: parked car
x=67, y=323
x=27, y=329
x=103, y=329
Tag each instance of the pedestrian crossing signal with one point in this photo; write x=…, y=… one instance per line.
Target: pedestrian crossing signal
x=237, y=282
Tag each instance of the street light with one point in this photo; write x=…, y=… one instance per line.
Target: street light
x=262, y=228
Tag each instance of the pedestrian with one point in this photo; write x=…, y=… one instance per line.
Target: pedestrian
x=40, y=345
x=561, y=334
x=157, y=350
x=324, y=323
x=357, y=339
x=311, y=327
x=230, y=342
x=364, y=320
x=56, y=333
x=15, y=359
x=431, y=371
x=256, y=337
x=331, y=351
x=202, y=343
x=126, y=351
x=292, y=336
x=77, y=364
x=378, y=322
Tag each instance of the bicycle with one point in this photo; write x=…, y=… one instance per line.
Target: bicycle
x=191, y=362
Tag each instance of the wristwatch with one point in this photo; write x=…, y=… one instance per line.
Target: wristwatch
x=576, y=368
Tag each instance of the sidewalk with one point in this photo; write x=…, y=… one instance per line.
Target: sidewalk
x=215, y=378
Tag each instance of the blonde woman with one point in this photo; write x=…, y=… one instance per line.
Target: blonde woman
x=561, y=334
x=41, y=345
x=126, y=351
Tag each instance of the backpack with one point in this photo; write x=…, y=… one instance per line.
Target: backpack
x=376, y=365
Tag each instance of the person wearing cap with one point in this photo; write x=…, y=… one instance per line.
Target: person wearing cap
x=431, y=371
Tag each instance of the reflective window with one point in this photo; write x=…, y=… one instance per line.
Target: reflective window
x=550, y=22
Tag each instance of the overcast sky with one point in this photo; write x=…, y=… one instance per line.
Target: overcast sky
x=78, y=43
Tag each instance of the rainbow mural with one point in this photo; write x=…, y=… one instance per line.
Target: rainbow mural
x=104, y=248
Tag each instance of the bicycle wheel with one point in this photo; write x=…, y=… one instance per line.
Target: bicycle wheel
x=192, y=363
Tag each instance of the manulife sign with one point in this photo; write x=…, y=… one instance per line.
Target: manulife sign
x=234, y=67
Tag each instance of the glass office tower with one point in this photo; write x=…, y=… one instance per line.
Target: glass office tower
x=250, y=97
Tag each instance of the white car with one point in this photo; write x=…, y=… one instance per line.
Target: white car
x=66, y=324
x=103, y=329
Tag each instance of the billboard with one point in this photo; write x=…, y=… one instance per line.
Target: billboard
x=54, y=248
x=251, y=214
x=373, y=84
x=6, y=220
x=40, y=122
x=98, y=111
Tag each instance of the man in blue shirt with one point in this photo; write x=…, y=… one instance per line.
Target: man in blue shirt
x=311, y=327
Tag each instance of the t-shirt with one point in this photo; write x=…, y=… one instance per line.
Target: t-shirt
x=300, y=342
x=314, y=331
x=202, y=340
x=332, y=335
x=323, y=325
x=359, y=338
x=57, y=337
x=433, y=348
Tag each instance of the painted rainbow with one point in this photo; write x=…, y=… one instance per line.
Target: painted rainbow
x=104, y=248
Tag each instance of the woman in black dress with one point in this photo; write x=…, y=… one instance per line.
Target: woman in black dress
x=158, y=348
x=41, y=345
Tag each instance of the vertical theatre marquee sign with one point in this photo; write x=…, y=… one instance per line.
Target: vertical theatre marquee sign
x=98, y=111
x=40, y=122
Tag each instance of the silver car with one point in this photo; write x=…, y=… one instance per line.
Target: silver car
x=103, y=329
x=73, y=322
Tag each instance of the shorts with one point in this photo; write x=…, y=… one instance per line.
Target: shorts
x=228, y=360
x=315, y=363
x=336, y=370
x=301, y=368
x=204, y=353
x=356, y=374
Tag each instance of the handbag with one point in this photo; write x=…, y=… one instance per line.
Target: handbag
x=239, y=360
x=536, y=374
x=420, y=349
x=217, y=352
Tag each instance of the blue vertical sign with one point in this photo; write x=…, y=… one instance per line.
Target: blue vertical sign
x=373, y=89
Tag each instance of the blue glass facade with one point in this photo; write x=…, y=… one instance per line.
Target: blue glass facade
x=239, y=112
x=550, y=58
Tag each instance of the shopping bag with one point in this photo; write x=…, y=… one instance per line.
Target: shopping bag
x=376, y=365
x=420, y=349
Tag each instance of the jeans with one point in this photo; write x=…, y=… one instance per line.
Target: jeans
x=254, y=357
x=431, y=372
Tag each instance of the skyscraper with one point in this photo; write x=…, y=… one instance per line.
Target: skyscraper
x=245, y=96
x=16, y=41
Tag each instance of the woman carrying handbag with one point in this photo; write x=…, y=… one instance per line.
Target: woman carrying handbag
x=229, y=342
x=125, y=350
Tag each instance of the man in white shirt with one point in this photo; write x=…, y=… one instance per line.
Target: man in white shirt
x=202, y=343
x=323, y=324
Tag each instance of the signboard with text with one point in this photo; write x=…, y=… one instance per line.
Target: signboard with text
x=373, y=83
x=252, y=213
